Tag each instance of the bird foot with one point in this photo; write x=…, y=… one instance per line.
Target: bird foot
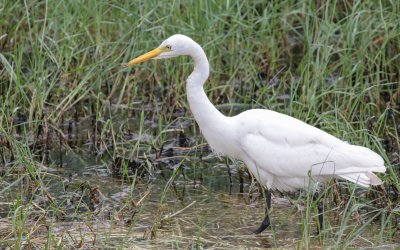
x=262, y=227
x=318, y=231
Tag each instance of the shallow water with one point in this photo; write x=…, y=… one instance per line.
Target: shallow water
x=200, y=209
x=213, y=213
x=88, y=203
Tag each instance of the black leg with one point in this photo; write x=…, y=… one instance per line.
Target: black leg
x=266, y=221
x=320, y=207
x=229, y=171
x=320, y=217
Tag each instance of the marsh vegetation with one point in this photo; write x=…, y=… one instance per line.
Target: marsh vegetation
x=93, y=154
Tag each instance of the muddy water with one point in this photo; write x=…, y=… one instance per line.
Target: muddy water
x=207, y=211
x=200, y=208
x=187, y=200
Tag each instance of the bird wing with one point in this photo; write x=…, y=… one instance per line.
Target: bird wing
x=287, y=147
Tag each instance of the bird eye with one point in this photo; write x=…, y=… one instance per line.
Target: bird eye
x=168, y=47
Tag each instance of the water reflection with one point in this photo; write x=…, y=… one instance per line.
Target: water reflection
x=203, y=206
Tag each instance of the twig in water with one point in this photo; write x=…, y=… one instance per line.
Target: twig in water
x=178, y=212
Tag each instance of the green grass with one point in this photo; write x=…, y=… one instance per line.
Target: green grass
x=332, y=64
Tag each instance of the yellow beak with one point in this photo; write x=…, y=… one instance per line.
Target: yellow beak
x=145, y=57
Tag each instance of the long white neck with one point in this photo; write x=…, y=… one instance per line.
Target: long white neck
x=206, y=115
x=219, y=130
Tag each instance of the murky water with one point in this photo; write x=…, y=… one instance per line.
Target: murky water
x=180, y=197
x=198, y=208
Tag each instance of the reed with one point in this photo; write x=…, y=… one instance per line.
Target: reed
x=66, y=99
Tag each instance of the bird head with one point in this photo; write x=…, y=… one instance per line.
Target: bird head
x=174, y=46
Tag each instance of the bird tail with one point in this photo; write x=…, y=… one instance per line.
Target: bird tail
x=363, y=179
x=363, y=162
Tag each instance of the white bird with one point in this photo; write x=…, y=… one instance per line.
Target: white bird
x=282, y=152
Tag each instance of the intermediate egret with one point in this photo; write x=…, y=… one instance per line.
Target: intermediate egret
x=282, y=152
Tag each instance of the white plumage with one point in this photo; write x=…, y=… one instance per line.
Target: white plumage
x=280, y=151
